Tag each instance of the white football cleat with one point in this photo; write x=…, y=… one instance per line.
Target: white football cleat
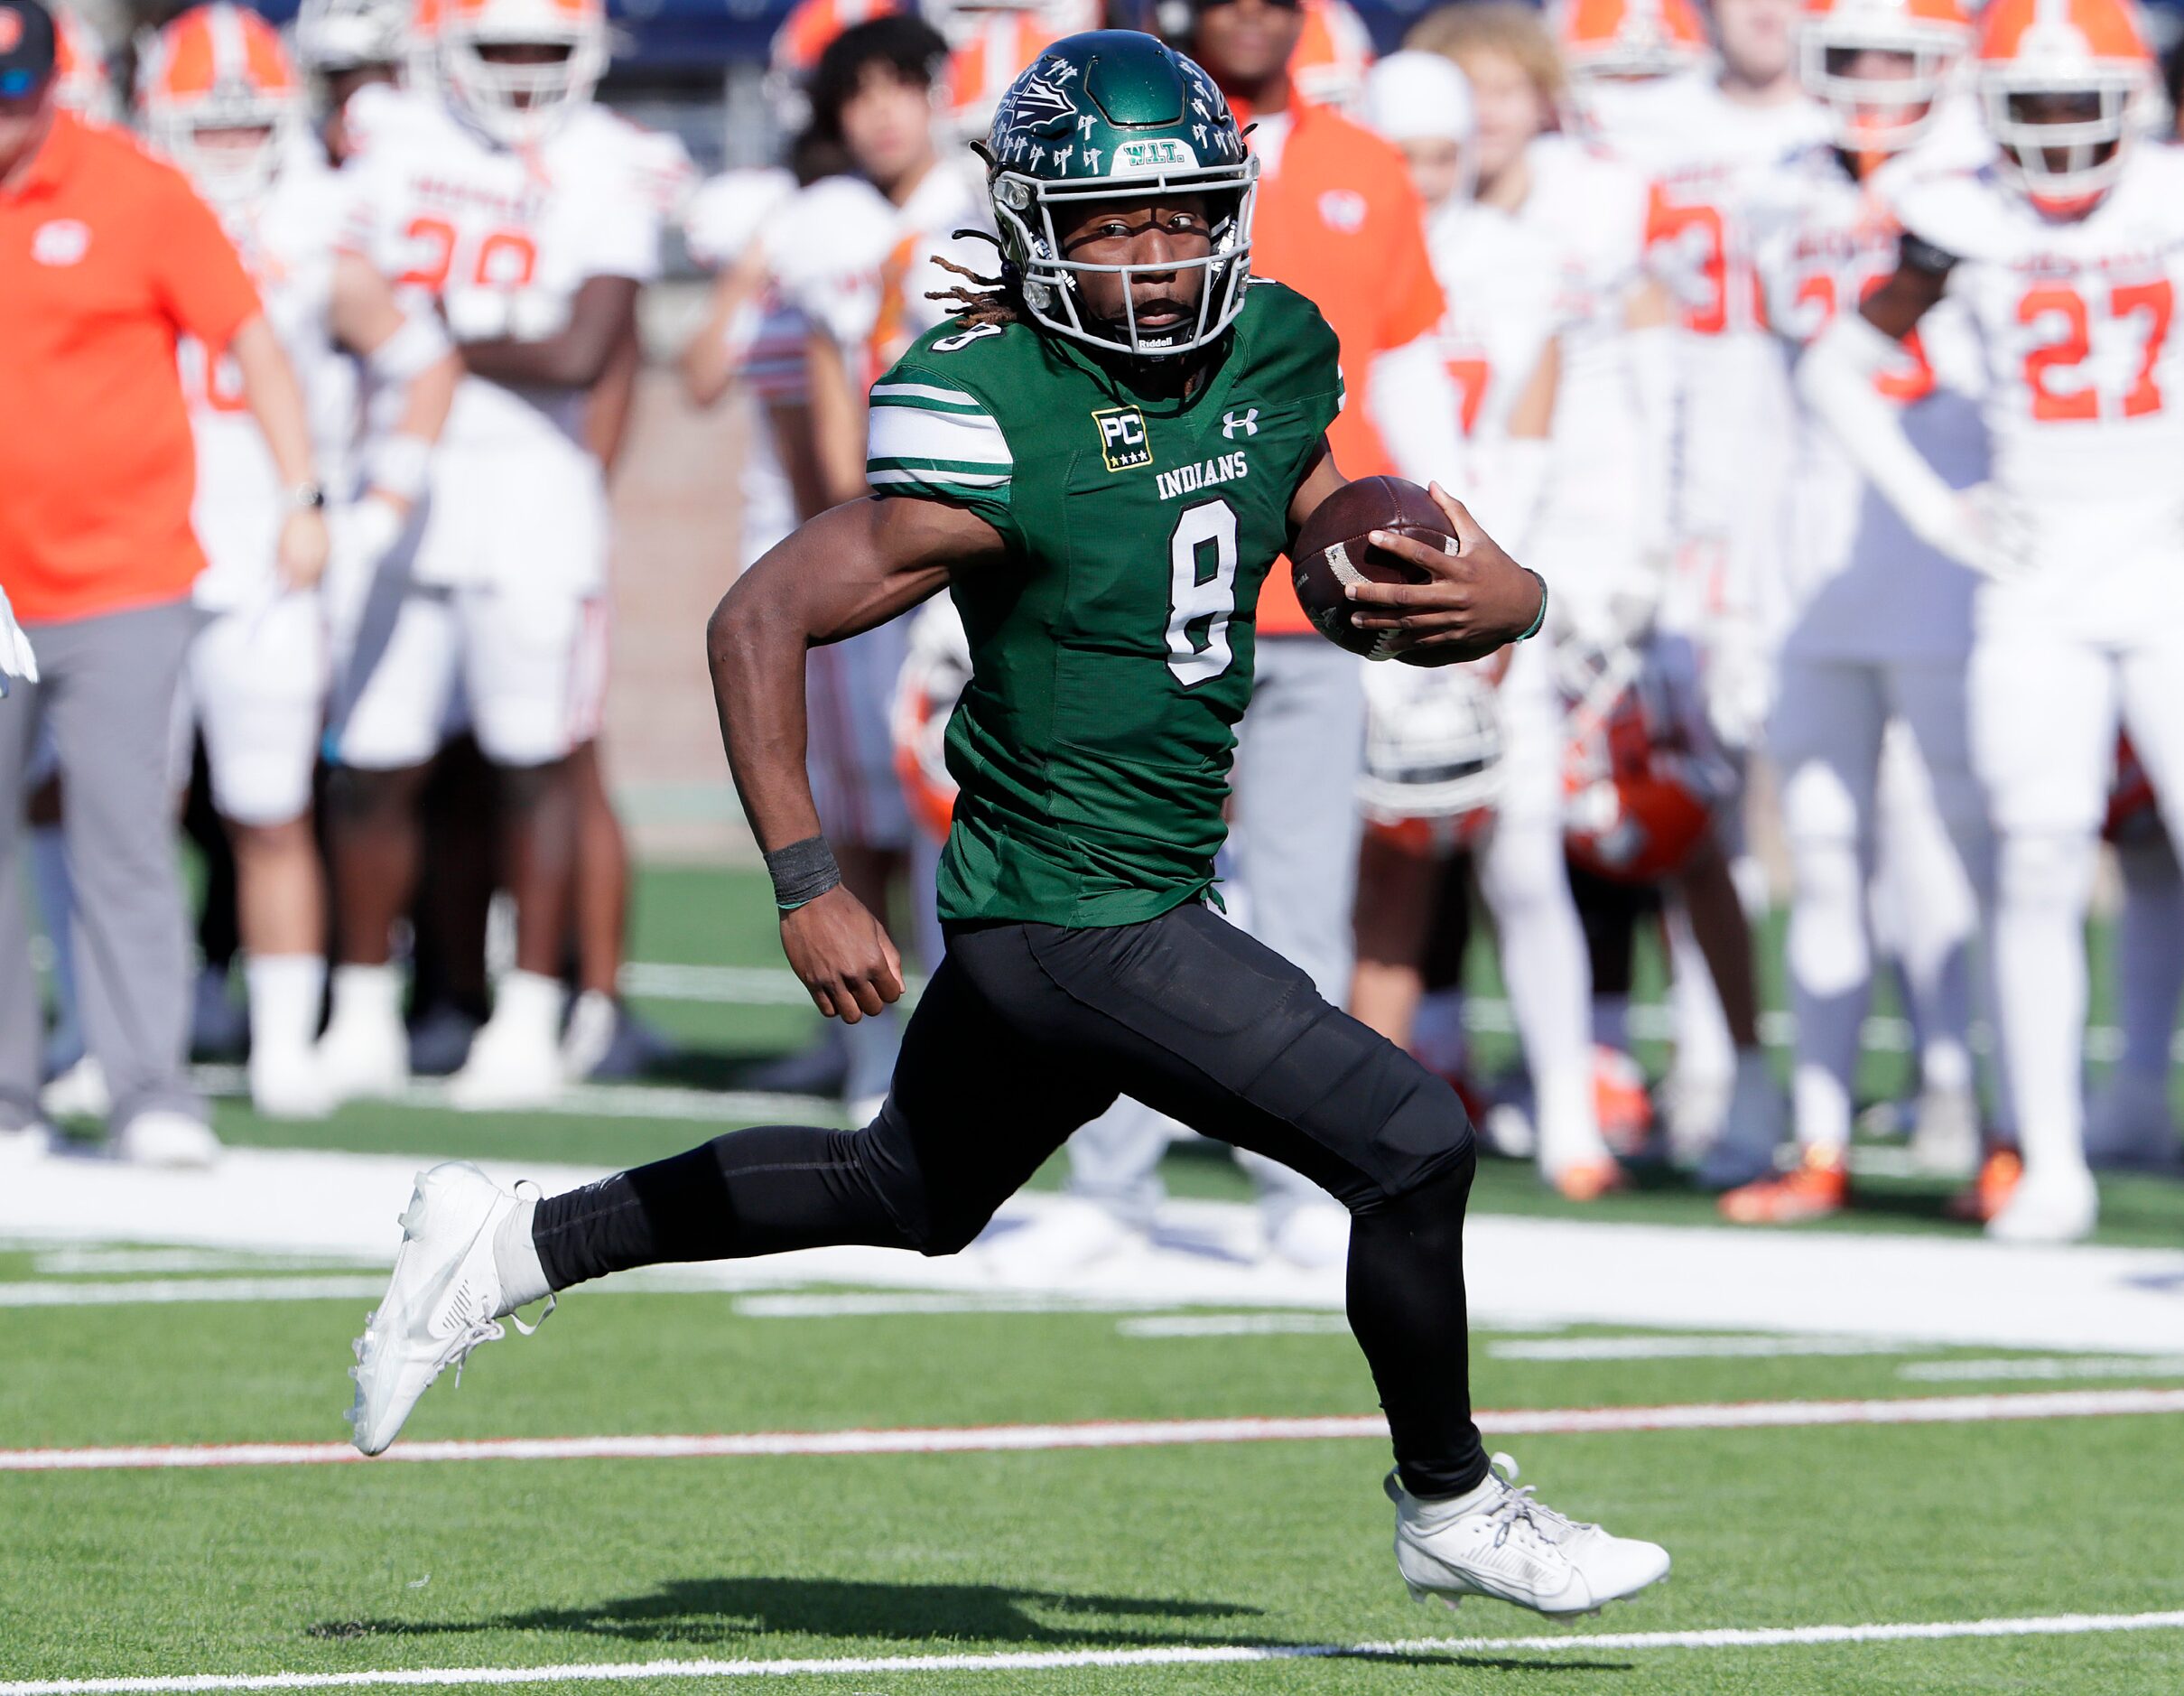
x=161, y=1137
x=444, y=1301
x=1515, y=1549
x=2052, y=1204
x=515, y=1059
x=1944, y=1136
x=78, y=1093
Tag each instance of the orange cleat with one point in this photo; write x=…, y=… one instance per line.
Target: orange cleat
x=1589, y=1180
x=1989, y=1193
x=1819, y=1187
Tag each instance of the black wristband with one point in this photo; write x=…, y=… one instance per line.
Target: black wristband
x=802, y=872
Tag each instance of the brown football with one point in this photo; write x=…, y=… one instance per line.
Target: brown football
x=1331, y=552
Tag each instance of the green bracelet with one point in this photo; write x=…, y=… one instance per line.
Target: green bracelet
x=1541, y=619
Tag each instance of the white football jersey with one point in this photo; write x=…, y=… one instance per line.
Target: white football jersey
x=1503, y=280
x=1708, y=158
x=287, y=237
x=1590, y=211
x=1856, y=583
x=2083, y=397
x=499, y=241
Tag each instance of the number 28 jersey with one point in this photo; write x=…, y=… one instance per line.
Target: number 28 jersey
x=2085, y=381
x=1111, y=651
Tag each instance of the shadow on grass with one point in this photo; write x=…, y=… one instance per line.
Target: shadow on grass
x=727, y=1610
x=908, y=1618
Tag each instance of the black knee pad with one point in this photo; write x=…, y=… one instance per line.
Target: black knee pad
x=1426, y=1137
x=934, y=1220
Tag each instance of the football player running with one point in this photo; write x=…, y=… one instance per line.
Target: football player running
x=219, y=95
x=2065, y=250
x=1878, y=628
x=530, y=218
x=1056, y=460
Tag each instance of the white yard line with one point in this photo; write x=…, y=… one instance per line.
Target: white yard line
x=2055, y=1368
x=1043, y=1660
x=1703, y=1347
x=1118, y=1433
x=1237, y=1325
x=146, y=1291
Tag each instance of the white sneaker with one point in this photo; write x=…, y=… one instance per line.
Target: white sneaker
x=1314, y=1236
x=1757, y=1125
x=2050, y=1205
x=78, y=1093
x=1944, y=1137
x=593, y=1019
x=515, y=1061
x=1516, y=1549
x=445, y=1300
x=2129, y=1127
x=289, y=1084
x=26, y=1144
x=364, y=1054
x=161, y=1137
x=1071, y=1236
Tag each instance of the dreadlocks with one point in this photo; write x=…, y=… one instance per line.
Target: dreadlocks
x=981, y=300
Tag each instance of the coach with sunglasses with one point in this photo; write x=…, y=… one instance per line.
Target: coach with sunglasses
x=106, y=257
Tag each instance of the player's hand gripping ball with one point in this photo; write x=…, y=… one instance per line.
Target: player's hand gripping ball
x=1391, y=571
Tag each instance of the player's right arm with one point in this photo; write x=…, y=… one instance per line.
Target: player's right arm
x=845, y=572
x=1839, y=378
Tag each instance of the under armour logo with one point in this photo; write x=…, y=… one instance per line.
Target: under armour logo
x=1245, y=423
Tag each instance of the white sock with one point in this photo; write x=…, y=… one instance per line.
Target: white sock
x=284, y=990
x=1704, y=1046
x=369, y=993
x=2040, y=968
x=515, y=1263
x=1431, y=1515
x=1830, y=981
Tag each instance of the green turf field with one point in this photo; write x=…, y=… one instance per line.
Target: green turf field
x=1164, y=1559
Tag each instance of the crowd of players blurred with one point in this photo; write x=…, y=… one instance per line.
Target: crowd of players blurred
x=1593, y=272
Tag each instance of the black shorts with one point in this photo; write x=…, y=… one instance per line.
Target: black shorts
x=1027, y=1031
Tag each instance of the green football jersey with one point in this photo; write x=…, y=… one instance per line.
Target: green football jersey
x=1111, y=651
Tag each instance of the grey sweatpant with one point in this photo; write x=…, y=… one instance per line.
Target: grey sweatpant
x=107, y=688
x=1294, y=844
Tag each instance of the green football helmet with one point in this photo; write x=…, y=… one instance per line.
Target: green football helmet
x=1112, y=115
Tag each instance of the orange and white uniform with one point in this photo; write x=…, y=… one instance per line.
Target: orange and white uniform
x=989, y=45
x=79, y=69
x=2066, y=252
x=492, y=199
x=258, y=670
x=1332, y=54
x=1709, y=159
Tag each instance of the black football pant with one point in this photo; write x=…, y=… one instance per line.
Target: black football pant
x=1024, y=1033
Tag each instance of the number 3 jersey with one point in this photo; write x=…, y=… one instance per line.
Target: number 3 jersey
x=2085, y=381
x=500, y=240
x=1111, y=649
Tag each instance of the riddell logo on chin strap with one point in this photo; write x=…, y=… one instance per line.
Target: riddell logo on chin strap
x=1123, y=443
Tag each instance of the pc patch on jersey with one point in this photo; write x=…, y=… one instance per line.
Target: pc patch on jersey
x=1122, y=440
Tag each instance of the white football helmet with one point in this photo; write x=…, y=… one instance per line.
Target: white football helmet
x=217, y=94
x=520, y=104
x=333, y=36
x=2086, y=53
x=1433, y=739
x=1886, y=114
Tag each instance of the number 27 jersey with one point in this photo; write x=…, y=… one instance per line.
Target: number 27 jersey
x=2085, y=381
x=1111, y=650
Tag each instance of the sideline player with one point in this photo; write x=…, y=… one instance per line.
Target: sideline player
x=2065, y=249
x=1879, y=625
x=502, y=587
x=1112, y=657
x=219, y=94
